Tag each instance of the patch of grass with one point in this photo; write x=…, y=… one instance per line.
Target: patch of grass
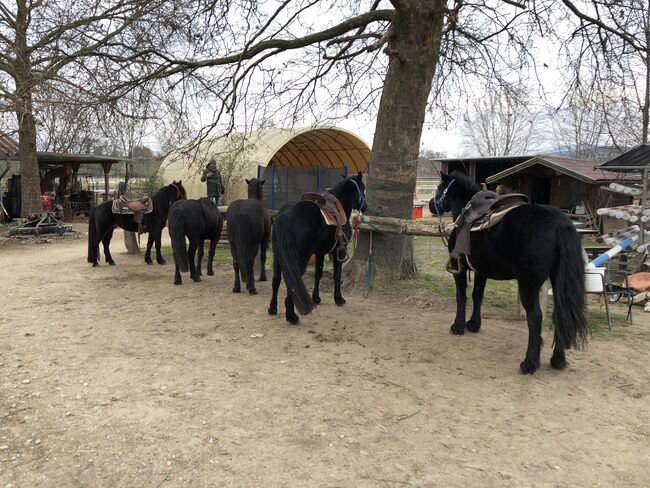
x=222, y=256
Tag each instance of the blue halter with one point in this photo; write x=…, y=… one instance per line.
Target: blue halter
x=437, y=201
x=360, y=200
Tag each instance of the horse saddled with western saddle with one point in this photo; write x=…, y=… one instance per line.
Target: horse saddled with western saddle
x=485, y=210
x=137, y=208
x=334, y=215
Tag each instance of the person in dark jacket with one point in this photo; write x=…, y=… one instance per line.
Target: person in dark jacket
x=212, y=176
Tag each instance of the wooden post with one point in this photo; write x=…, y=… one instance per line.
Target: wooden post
x=107, y=170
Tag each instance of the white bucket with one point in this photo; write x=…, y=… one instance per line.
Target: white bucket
x=594, y=280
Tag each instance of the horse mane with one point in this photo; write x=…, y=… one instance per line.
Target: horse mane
x=465, y=181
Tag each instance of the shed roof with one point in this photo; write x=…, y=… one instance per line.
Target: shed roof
x=636, y=159
x=580, y=169
x=9, y=150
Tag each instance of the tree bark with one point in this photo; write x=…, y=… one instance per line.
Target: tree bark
x=414, y=49
x=130, y=239
x=29, y=173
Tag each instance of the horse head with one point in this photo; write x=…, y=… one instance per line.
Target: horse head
x=359, y=200
x=453, y=193
x=255, y=188
x=176, y=191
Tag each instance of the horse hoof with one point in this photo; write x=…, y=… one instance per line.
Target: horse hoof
x=273, y=311
x=149, y=262
x=210, y=272
x=457, y=329
x=162, y=262
x=340, y=301
x=178, y=282
x=262, y=278
x=558, y=363
x=111, y=263
x=316, y=299
x=473, y=326
x=528, y=367
x=95, y=265
x=252, y=292
x=196, y=279
x=293, y=319
x=236, y=289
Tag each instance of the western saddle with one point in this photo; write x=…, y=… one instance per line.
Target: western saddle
x=334, y=215
x=137, y=208
x=485, y=210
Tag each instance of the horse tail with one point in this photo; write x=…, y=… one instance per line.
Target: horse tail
x=92, y=233
x=179, y=247
x=244, y=247
x=286, y=252
x=569, y=289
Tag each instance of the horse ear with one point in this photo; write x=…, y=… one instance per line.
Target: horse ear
x=444, y=177
x=248, y=182
x=262, y=182
x=343, y=176
x=360, y=175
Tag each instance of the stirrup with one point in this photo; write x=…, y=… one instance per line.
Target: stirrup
x=342, y=258
x=458, y=268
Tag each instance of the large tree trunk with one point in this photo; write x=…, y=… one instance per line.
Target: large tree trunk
x=29, y=176
x=414, y=48
x=130, y=238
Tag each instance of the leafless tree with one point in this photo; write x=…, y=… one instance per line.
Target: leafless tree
x=43, y=43
x=611, y=43
x=501, y=123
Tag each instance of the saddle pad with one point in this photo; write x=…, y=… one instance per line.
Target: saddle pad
x=494, y=218
x=330, y=217
x=119, y=207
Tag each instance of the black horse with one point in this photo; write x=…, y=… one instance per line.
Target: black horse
x=531, y=244
x=249, y=228
x=199, y=220
x=102, y=222
x=299, y=230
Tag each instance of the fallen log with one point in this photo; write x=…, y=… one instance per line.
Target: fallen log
x=393, y=225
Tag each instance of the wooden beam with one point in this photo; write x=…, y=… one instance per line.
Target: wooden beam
x=392, y=225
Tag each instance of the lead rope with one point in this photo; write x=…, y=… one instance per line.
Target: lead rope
x=369, y=276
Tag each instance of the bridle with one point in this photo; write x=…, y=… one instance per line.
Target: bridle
x=438, y=201
x=360, y=200
x=178, y=191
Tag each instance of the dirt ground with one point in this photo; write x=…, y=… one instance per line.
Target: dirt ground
x=114, y=377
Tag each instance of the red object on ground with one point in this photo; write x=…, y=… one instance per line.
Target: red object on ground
x=47, y=203
x=417, y=212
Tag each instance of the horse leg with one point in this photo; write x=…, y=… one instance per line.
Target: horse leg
x=474, y=323
x=158, y=236
x=558, y=360
x=264, y=244
x=460, y=279
x=177, y=276
x=147, y=253
x=318, y=274
x=250, y=283
x=106, y=241
x=290, y=312
x=191, y=255
x=530, y=300
x=338, y=266
x=275, y=286
x=199, y=257
x=94, y=248
x=236, y=288
x=213, y=248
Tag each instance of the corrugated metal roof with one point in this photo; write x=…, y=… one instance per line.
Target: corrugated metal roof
x=636, y=159
x=8, y=147
x=307, y=147
x=579, y=169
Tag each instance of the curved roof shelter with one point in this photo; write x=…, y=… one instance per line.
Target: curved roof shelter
x=301, y=149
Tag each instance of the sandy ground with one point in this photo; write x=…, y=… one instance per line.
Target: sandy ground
x=114, y=377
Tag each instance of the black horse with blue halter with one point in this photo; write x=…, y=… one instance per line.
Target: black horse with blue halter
x=436, y=203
